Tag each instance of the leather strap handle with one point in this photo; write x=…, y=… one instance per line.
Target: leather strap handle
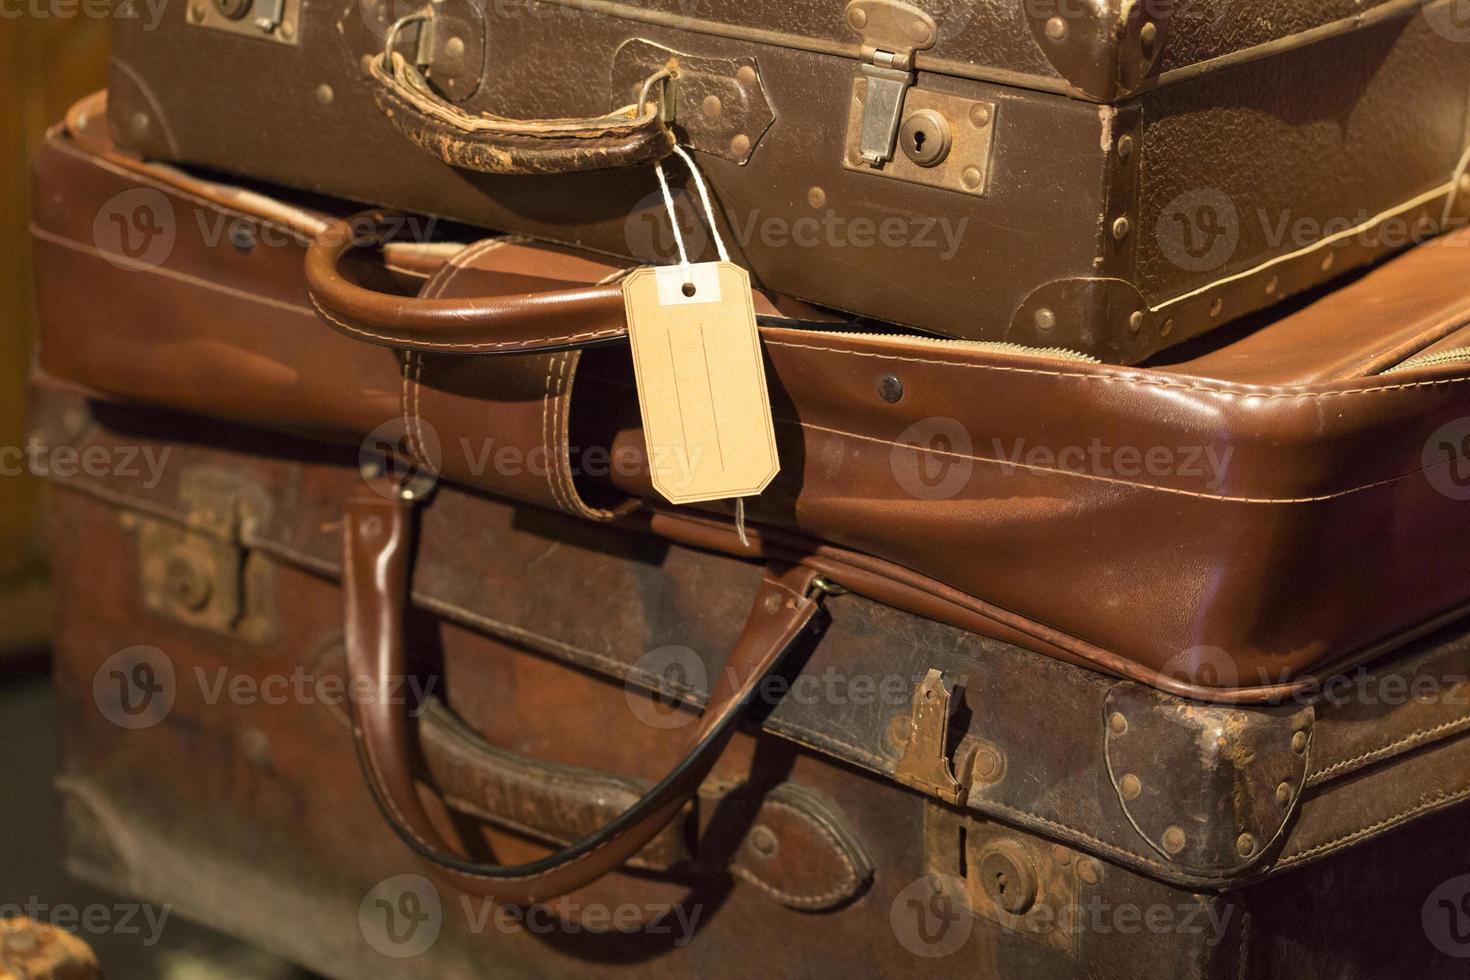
x=491, y=144
x=378, y=544
x=518, y=323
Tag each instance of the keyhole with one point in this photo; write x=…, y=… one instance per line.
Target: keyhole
x=1001, y=883
x=919, y=139
x=688, y=289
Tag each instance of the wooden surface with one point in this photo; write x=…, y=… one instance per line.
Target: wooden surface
x=46, y=63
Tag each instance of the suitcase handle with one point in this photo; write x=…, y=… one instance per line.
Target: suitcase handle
x=518, y=323
x=377, y=550
x=486, y=143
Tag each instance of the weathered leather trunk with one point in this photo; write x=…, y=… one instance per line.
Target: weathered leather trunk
x=1119, y=176
x=910, y=798
x=1182, y=525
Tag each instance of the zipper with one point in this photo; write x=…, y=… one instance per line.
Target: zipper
x=832, y=329
x=1452, y=356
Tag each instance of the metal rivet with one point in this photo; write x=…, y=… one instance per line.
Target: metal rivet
x=746, y=75
x=1056, y=28
x=242, y=236
x=1299, y=742
x=1148, y=34
x=1327, y=261
x=1273, y=284
x=711, y=106
x=1045, y=319
x=288, y=30
x=1089, y=871
x=1135, y=321
x=1121, y=228
x=763, y=841
x=816, y=197
x=919, y=31
x=740, y=145
x=454, y=47
x=196, y=12
x=972, y=178
x=980, y=115
x=773, y=603
x=1130, y=786
x=1125, y=147
x=324, y=94
x=1174, y=840
x=1167, y=328
x=858, y=18
x=1117, y=723
x=1217, y=306
x=1061, y=855
x=890, y=389
x=140, y=123
x=187, y=584
x=1283, y=794
x=988, y=765
x=1245, y=845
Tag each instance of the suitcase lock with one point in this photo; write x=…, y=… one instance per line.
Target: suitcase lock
x=891, y=32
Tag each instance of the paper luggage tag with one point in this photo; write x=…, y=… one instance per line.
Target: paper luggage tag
x=701, y=381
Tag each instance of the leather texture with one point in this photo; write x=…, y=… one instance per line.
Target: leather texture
x=1368, y=819
x=377, y=548
x=1202, y=191
x=966, y=500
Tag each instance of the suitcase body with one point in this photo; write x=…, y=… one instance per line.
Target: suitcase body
x=1093, y=828
x=1346, y=413
x=1117, y=178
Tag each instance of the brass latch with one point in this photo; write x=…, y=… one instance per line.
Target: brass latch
x=925, y=764
x=892, y=31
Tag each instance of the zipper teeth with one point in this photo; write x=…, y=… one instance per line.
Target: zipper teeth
x=1450, y=356
x=1061, y=353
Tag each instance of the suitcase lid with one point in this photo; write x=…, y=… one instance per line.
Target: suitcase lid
x=1098, y=50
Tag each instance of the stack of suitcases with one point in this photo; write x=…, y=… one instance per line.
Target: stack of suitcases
x=1057, y=569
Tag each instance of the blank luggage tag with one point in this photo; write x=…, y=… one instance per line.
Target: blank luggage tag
x=701, y=377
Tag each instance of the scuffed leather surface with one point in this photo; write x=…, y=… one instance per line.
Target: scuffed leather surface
x=1086, y=555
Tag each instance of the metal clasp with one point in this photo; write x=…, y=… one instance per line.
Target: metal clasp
x=892, y=31
x=925, y=764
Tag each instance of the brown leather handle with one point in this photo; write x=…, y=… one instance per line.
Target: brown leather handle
x=377, y=547
x=487, y=143
x=516, y=323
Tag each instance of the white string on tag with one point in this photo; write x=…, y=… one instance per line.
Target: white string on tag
x=714, y=230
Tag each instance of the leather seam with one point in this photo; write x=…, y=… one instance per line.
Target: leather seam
x=530, y=345
x=794, y=899
x=1421, y=735
x=1242, y=391
x=1432, y=803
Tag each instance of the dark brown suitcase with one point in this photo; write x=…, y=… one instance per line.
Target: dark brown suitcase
x=1109, y=177
x=907, y=799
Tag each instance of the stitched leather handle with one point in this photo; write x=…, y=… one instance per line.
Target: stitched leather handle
x=516, y=323
x=486, y=143
x=377, y=547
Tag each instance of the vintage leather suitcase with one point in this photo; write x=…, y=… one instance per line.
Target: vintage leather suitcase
x=1112, y=177
x=906, y=798
x=1235, y=525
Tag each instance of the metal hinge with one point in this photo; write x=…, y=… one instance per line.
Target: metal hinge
x=892, y=31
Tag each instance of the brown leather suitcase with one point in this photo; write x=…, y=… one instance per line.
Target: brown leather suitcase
x=1235, y=525
x=905, y=798
x=1111, y=177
